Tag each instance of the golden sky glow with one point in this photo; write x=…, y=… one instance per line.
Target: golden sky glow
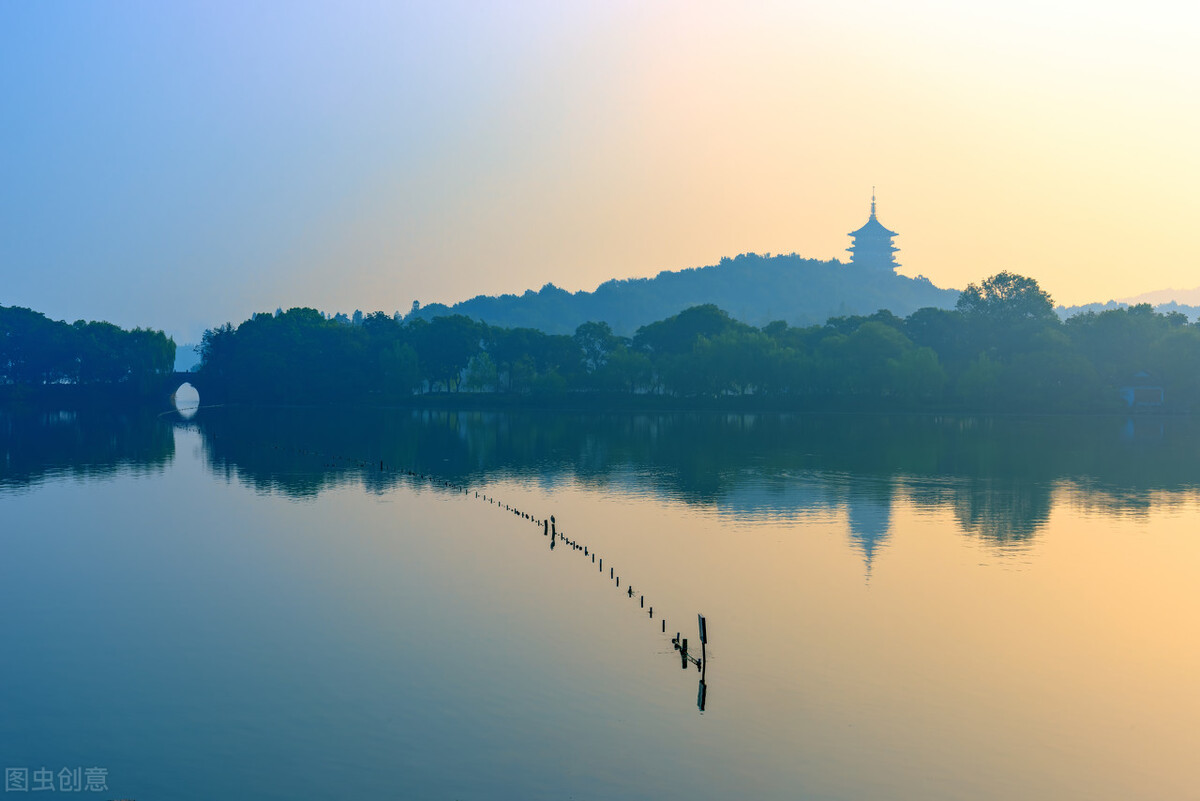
x=437, y=152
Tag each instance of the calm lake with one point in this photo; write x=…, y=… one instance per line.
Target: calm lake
x=296, y=603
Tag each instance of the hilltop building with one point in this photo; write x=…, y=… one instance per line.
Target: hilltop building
x=872, y=244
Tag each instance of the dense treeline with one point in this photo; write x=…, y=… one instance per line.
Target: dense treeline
x=37, y=351
x=1001, y=349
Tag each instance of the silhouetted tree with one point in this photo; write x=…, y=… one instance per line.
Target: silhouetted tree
x=36, y=350
x=678, y=333
x=481, y=373
x=445, y=346
x=596, y=341
x=1007, y=298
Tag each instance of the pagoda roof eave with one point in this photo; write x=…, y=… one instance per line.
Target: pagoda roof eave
x=873, y=226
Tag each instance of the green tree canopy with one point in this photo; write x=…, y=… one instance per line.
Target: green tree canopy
x=1007, y=298
x=678, y=333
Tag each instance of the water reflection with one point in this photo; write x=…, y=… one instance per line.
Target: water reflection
x=410, y=624
x=1004, y=511
x=869, y=512
x=998, y=476
x=36, y=445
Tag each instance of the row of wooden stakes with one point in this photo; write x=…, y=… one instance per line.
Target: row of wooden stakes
x=549, y=528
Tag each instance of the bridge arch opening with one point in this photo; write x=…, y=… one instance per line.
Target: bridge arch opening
x=186, y=400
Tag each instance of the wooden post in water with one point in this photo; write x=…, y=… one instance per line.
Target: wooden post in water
x=683, y=652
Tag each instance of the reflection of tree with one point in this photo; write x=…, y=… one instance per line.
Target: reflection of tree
x=1093, y=496
x=996, y=473
x=84, y=443
x=1005, y=512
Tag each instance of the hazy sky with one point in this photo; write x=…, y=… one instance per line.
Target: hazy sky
x=179, y=165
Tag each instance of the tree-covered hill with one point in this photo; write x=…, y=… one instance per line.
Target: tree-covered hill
x=1002, y=348
x=752, y=288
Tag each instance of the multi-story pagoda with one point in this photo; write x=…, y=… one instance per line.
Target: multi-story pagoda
x=872, y=245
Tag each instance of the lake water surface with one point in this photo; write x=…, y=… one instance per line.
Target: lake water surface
x=265, y=603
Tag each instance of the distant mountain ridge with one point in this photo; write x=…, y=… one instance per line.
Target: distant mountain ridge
x=1191, y=312
x=1164, y=301
x=1185, y=298
x=755, y=289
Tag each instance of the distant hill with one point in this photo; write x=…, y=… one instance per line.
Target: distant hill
x=1191, y=312
x=752, y=288
x=186, y=357
x=1189, y=298
x=1164, y=301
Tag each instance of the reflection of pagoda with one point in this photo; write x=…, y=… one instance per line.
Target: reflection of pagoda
x=873, y=244
x=870, y=518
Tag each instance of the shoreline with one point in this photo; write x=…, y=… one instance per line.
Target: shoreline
x=73, y=397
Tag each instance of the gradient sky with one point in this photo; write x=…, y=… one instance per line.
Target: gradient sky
x=178, y=165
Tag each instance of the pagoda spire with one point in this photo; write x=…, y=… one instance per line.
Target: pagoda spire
x=872, y=244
